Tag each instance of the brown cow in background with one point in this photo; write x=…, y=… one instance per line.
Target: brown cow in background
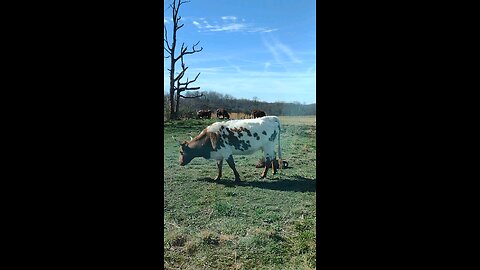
x=204, y=114
x=258, y=113
x=223, y=113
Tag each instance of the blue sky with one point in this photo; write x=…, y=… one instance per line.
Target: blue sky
x=251, y=48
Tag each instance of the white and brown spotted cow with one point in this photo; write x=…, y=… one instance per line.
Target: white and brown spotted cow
x=222, y=140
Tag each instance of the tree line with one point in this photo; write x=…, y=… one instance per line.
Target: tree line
x=212, y=100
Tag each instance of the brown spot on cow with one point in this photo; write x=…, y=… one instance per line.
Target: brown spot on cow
x=264, y=132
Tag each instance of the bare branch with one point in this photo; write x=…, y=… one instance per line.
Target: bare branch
x=194, y=50
x=197, y=96
x=184, y=51
x=166, y=39
x=181, y=89
x=180, y=76
x=183, y=64
x=187, y=82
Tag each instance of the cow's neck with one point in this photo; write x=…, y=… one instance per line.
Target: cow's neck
x=201, y=147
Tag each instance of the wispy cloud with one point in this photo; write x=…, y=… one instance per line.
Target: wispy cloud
x=229, y=24
x=197, y=24
x=280, y=52
x=229, y=27
x=286, y=50
x=225, y=18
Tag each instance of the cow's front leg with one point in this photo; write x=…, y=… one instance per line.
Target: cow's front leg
x=219, y=166
x=231, y=163
x=265, y=170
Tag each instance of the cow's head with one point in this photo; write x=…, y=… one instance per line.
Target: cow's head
x=186, y=154
x=200, y=146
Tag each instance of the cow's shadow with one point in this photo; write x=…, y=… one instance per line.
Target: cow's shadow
x=296, y=183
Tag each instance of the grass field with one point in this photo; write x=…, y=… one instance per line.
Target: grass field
x=257, y=224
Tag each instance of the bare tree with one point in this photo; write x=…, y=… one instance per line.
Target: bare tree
x=176, y=86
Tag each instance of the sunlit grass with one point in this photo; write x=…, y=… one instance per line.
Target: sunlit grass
x=257, y=224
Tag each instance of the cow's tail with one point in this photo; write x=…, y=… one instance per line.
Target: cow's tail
x=280, y=161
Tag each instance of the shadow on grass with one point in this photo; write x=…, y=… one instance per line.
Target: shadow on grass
x=297, y=184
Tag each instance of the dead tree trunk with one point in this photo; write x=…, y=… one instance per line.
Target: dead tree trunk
x=177, y=87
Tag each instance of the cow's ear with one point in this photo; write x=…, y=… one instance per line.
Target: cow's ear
x=213, y=139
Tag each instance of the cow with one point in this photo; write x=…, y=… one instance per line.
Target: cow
x=222, y=140
x=258, y=113
x=204, y=113
x=223, y=113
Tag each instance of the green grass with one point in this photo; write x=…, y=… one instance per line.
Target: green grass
x=257, y=224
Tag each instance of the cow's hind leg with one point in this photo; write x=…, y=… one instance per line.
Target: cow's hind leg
x=231, y=163
x=265, y=170
x=219, y=166
x=274, y=169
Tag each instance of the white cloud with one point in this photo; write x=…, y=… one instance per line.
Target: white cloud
x=230, y=27
x=233, y=18
x=197, y=24
x=269, y=30
x=229, y=23
x=261, y=29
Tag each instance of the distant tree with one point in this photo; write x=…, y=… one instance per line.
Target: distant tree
x=176, y=86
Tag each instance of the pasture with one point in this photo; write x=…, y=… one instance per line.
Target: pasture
x=256, y=224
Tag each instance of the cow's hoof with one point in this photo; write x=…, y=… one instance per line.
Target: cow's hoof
x=216, y=179
x=262, y=176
